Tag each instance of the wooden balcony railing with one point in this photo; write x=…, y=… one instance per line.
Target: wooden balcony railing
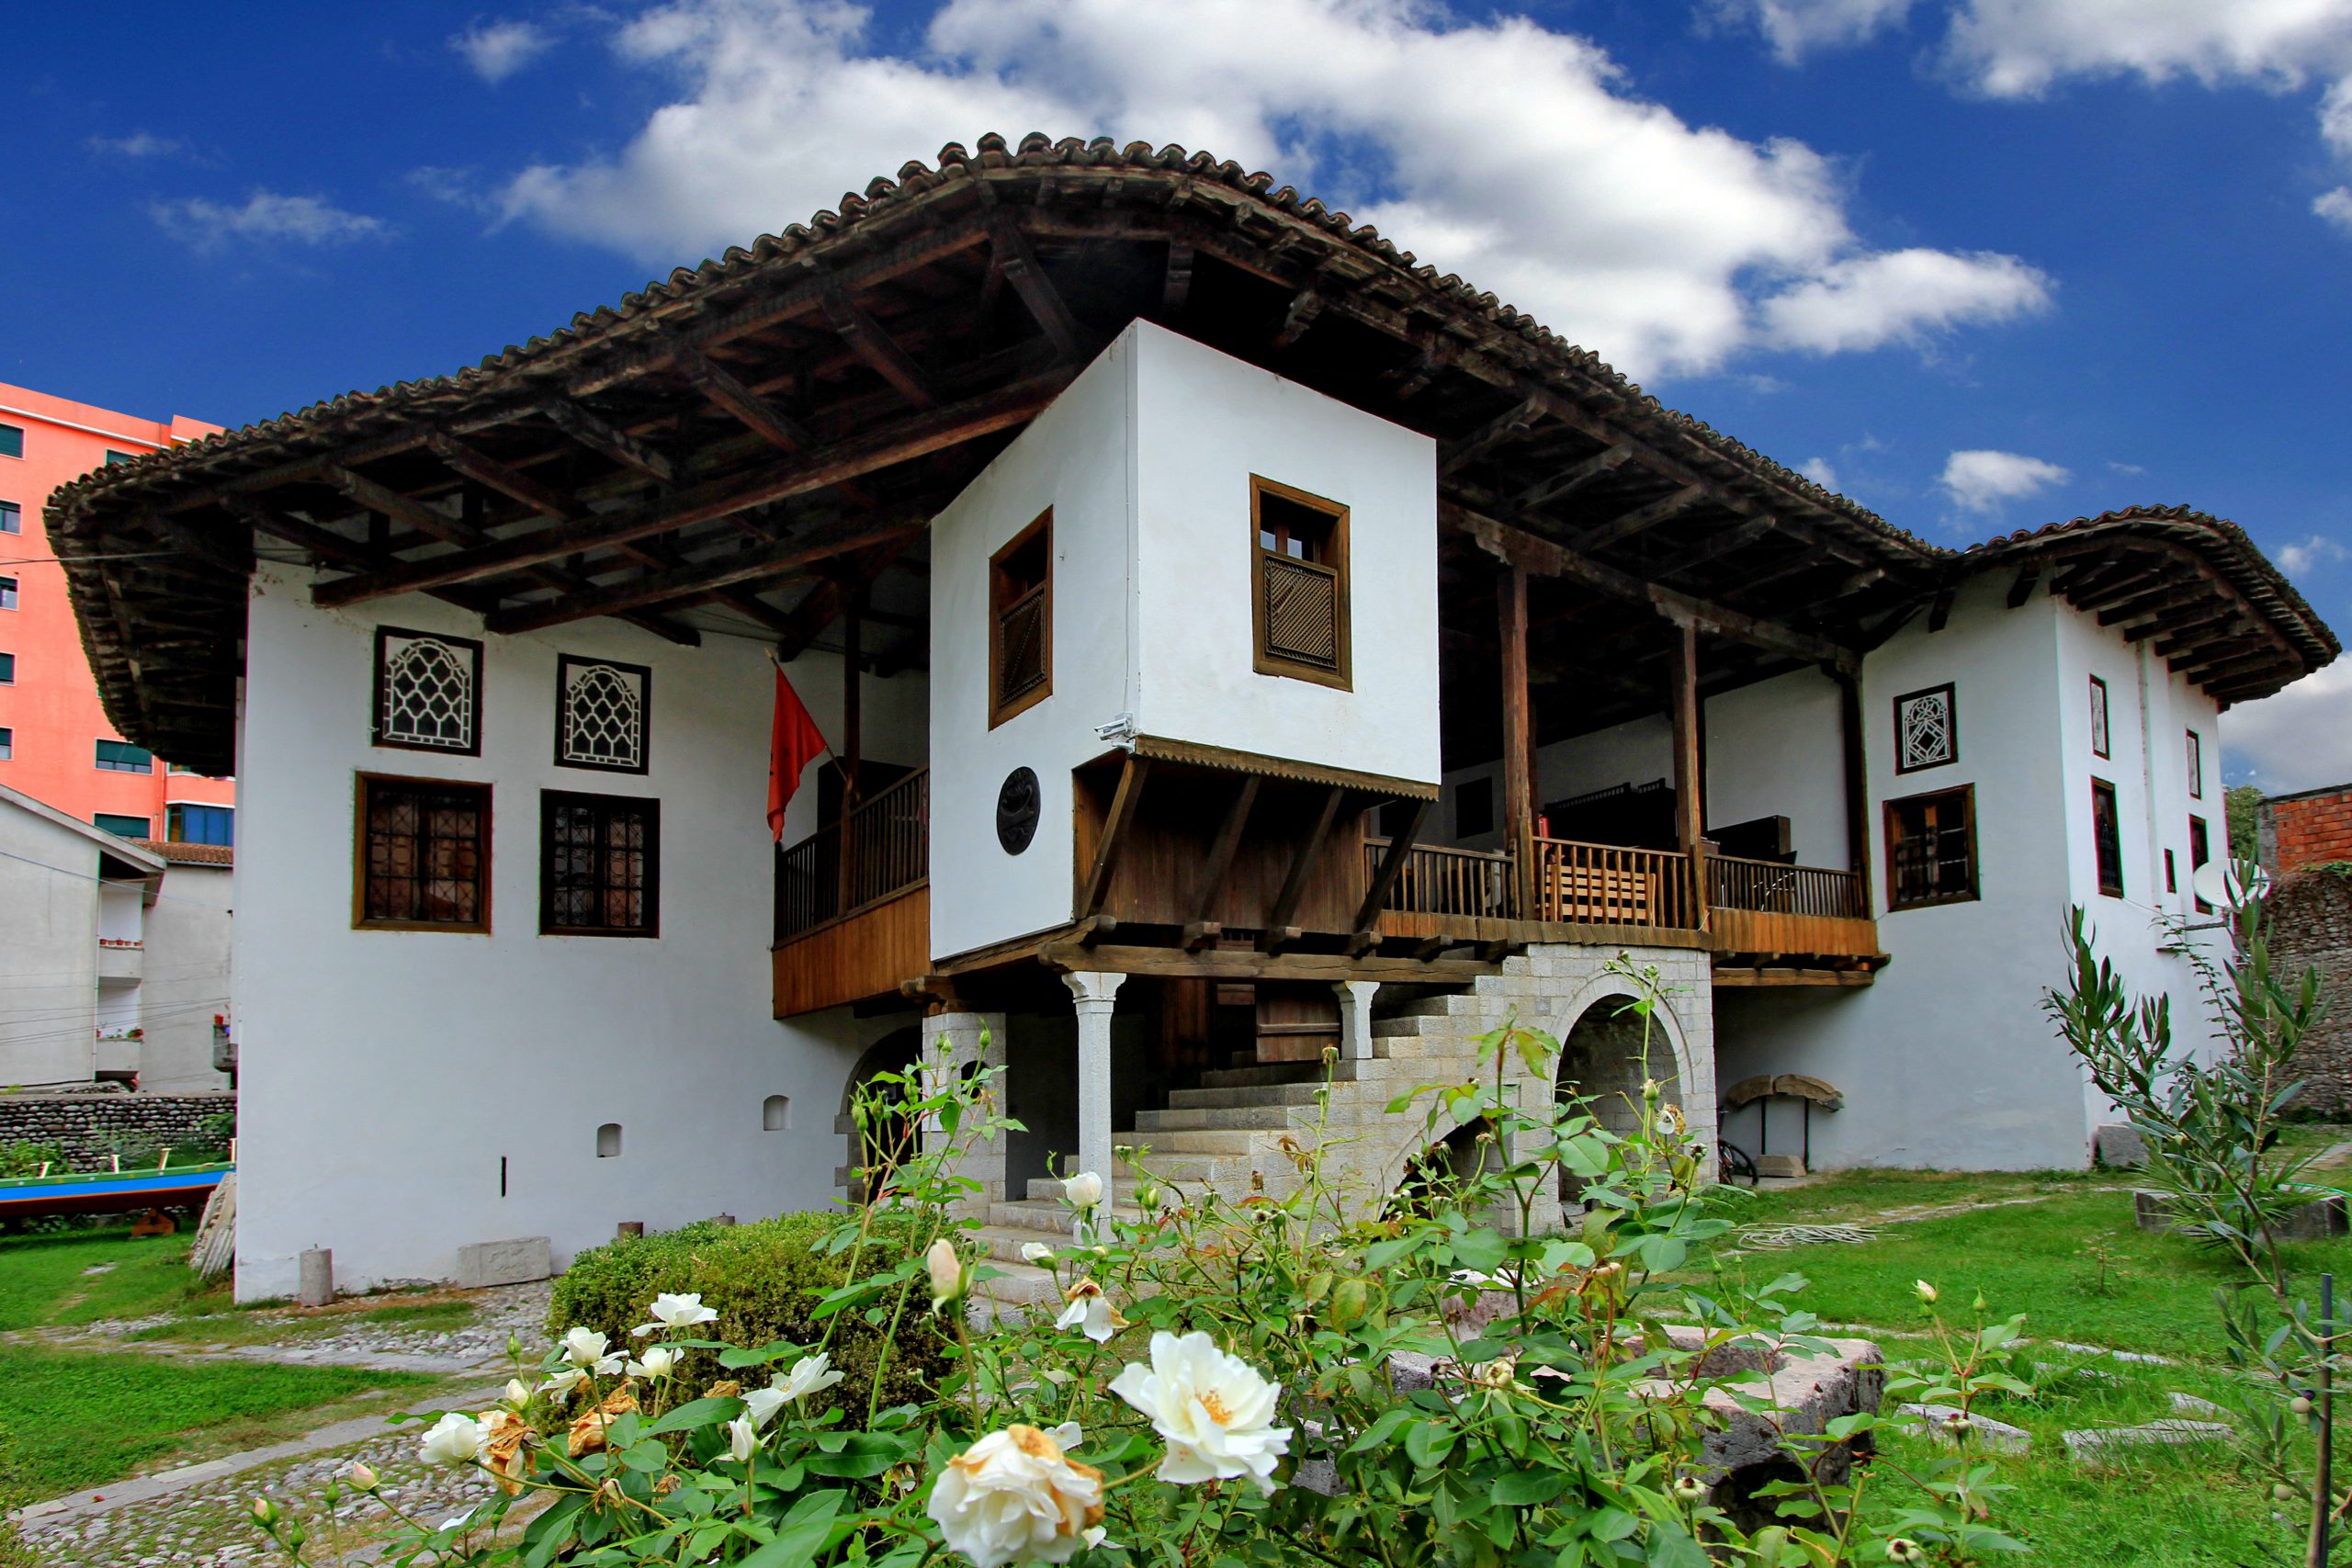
x=1773, y=888
x=881, y=850
x=1609, y=884
x=1464, y=882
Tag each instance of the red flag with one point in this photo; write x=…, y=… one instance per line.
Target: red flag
x=792, y=743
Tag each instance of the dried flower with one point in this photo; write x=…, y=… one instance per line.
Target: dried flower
x=1089, y=1312
x=1013, y=1497
x=504, y=1437
x=587, y=1434
x=1215, y=1410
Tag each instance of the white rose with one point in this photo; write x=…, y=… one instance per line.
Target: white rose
x=1215, y=1410
x=1089, y=1312
x=561, y=1383
x=742, y=1438
x=674, y=1313
x=946, y=1272
x=1035, y=1252
x=810, y=1374
x=585, y=1347
x=517, y=1394
x=454, y=1439
x=1012, y=1497
x=1084, y=1189
x=660, y=1362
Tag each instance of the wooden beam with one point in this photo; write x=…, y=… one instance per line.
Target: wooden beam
x=1939, y=613
x=1854, y=745
x=913, y=437
x=1461, y=453
x=783, y=558
x=399, y=508
x=1249, y=963
x=1682, y=707
x=1639, y=520
x=1304, y=307
x=2021, y=587
x=822, y=606
x=1124, y=801
x=1570, y=478
x=1176, y=286
x=1383, y=877
x=1286, y=901
x=879, y=350
x=324, y=543
x=1221, y=852
x=1546, y=558
x=599, y=437
x=1046, y=305
x=754, y=412
x=1723, y=544
x=1518, y=746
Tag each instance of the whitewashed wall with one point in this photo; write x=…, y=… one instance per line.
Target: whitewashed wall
x=1146, y=461
x=49, y=930
x=186, y=980
x=384, y=1075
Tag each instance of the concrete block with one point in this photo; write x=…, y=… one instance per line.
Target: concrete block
x=315, y=1286
x=2118, y=1144
x=2089, y=1446
x=512, y=1262
x=1780, y=1165
x=2314, y=1221
x=1981, y=1431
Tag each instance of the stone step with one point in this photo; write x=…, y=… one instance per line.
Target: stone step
x=1394, y=1028
x=1003, y=1243
x=1266, y=1072
x=1162, y=1143
x=1020, y=1285
x=1234, y=1099
x=1154, y=1127
x=1043, y=1218
x=1422, y=1007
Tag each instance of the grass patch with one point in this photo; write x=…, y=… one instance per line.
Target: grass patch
x=275, y=1324
x=45, y=1280
x=102, y=1416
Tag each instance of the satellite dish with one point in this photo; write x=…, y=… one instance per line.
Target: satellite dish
x=2217, y=883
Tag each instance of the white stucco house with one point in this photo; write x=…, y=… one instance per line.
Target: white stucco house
x=1229, y=642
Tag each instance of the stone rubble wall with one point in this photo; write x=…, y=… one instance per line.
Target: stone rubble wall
x=86, y=1126
x=2310, y=928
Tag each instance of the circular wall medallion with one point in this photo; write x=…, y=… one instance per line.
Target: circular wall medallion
x=1017, y=805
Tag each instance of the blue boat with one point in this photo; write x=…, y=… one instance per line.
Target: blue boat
x=109, y=1192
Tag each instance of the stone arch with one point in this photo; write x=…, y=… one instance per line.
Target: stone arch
x=1596, y=1003
x=896, y=1052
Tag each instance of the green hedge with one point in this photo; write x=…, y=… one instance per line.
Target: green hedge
x=764, y=1279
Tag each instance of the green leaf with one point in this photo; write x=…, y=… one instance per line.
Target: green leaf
x=801, y=1534
x=1483, y=1251
x=1382, y=1430
x=1671, y=1547
x=1428, y=1443
x=696, y=1412
x=863, y=1454
x=1526, y=1488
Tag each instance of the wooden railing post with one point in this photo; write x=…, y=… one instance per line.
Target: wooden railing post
x=1518, y=792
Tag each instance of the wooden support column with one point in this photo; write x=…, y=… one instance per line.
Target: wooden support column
x=1519, y=750
x=1854, y=743
x=1690, y=778
x=852, y=749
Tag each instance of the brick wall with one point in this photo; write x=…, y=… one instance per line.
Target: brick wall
x=2307, y=829
x=2311, y=927
x=84, y=1124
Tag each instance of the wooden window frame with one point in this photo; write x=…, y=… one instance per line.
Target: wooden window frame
x=375, y=695
x=651, y=807
x=565, y=665
x=1264, y=660
x=2102, y=721
x=1895, y=903
x=12, y=518
x=363, y=782
x=1039, y=528
x=1951, y=712
x=2200, y=837
x=2115, y=804
x=2195, y=765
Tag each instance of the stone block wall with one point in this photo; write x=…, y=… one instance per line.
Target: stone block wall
x=86, y=1126
x=2311, y=927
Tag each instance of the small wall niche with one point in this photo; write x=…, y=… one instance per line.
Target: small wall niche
x=608, y=1141
x=776, y=1113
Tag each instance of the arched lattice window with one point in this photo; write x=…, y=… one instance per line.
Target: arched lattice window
x=602, y=709
x=428, y=692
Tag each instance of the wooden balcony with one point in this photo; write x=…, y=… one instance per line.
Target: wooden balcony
x=852, y=903
x=1792, y=924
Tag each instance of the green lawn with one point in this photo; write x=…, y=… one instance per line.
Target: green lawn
x=83, y=1419
x=45, y=1280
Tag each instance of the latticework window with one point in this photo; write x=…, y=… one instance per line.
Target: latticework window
x=1299, y=584
x=1927, y=729
x=423, y=854
x=428, y=692
x=1931, y=848
x=602, y=714
x=600, y=866
x=1020, y=621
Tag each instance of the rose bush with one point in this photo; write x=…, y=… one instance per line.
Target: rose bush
x=1221, y=1385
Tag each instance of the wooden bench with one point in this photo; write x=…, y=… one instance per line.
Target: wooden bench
x=1602, y=896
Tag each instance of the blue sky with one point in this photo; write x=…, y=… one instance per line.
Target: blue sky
x=1981, y=263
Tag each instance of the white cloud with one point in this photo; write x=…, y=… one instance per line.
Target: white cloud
x=1796, y=27
x=2316, y=550
x=1898, y=296
x=2335, y=206
x=497, y=50
x=1820, y=470
x=1981, y=480
x=266, y=216
x=2019, y=47
x=141, y=144
x=2299, y=738
x=1520, y=157
x=2129, y=470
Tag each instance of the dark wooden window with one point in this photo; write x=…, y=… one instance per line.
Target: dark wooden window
x=600, y=864
x=1298, y=584
x=1020, y=621
x=2099, y=745
x=2195, y=766
x=422, y=854
x=1931, y=848
x=121, y=757
x=2106, y=834
x=2200, y=850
